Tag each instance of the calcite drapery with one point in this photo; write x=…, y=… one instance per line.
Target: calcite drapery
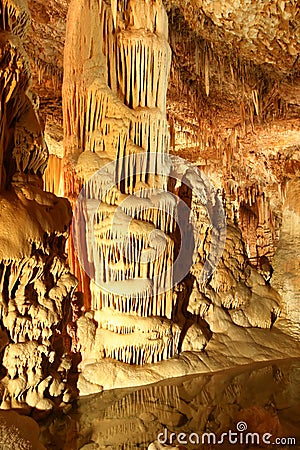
x=34, y=278
x=117, y=61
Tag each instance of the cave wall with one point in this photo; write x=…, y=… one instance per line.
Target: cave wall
x=36, y=283
x=232, y=112
x=286, y=260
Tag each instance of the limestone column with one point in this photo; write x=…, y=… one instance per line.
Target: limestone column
x=117, y=62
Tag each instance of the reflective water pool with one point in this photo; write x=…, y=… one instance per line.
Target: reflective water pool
x=257, y=407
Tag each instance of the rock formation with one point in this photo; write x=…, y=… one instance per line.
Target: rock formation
x=115, y=123
x=35, y=280
x=211, y=92
x=115, y=138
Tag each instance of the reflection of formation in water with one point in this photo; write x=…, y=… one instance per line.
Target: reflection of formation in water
x=266, y=398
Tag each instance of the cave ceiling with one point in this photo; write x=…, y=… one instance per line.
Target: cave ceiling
x=234, y=84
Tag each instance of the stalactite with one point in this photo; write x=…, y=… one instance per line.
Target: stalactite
x=53, y=176
x=206, y=71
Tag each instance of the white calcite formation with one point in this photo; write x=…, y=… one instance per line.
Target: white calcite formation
x=35, y=281
x=117, y=61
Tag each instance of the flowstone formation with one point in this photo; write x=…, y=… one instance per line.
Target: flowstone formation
x=116, y=137
x=36, y=283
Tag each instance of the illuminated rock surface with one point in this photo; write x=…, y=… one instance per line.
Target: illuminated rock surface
x=36, y=283
x=217, y=85
x=114, y=102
